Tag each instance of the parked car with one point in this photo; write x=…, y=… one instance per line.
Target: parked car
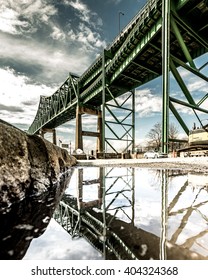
x=153, y=154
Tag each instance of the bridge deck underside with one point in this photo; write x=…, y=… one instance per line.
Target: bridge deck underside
x=135, y=57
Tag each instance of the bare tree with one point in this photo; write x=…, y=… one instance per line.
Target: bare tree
x=173, y=134
x=173, y=131
x=155, y=136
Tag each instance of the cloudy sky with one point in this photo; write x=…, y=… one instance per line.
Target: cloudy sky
x=43, y=40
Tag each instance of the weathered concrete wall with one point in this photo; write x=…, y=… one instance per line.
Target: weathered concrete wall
x=33, y=177
x=28, y=164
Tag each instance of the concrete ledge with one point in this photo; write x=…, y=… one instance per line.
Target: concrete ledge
x=197, y=164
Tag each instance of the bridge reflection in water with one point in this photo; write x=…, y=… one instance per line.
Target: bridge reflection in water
x=131, y=213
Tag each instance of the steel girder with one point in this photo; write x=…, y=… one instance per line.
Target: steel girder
x=175, y=26
x=134, y=58
x=51, y=117
x=165, y=73
x=126, y=130
x=133, y=45
x=120, y=46
x=61, y=104
x=172, y=23
x=120, y=123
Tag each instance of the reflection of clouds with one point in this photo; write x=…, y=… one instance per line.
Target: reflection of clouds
x=188, y=231
x=57, y=244
x=187, y=222
x=191, y=230
x=148, y=199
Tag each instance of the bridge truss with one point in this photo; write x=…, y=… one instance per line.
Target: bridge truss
x=163, y=37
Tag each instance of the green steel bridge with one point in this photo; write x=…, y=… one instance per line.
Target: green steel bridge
x=163, y=36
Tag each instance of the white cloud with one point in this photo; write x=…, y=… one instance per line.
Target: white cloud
x=116, y=2
x=147, y=103
x=19, y=95
x=88, y=39
x=67, y=129
x=45, y=247
x=53, y=63
x=81, y=8
x=183, y=109
x=193, y=83
x=197, y=85
x=20, y=16
x=84, y=13
x=57, y=34
x=49, y=62
x=9, y=21
x=40, y=9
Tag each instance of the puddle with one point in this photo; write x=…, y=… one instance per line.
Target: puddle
x=128, y=213
x=133, y=213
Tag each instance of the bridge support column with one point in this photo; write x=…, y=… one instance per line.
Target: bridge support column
x=100, y=130
x=43, y=131
x=97, y=202
x=80, y=132
x=80, y=188
x=78, y=140
x=54, y=136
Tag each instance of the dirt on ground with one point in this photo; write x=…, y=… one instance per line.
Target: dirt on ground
x=195, y=164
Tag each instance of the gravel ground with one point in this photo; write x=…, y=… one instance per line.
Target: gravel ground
x=197, y=164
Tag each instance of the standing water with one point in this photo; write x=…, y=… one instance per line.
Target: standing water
x=129, y=213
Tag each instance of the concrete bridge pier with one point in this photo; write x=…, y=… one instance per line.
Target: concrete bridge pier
x=80, y=132
x=43, y=131
x=97, y=202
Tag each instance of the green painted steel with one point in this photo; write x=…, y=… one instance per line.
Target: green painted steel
x=103, y=100
x=181, y=3
x=178, y=117
x=181, y=83
x=181, y=42
x=165, y=73
x=189, y=105
x=202, y=100
x=125, y=126
x=133, y=59
x=138, y=48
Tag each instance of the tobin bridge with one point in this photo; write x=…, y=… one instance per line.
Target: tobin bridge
x=163, y=36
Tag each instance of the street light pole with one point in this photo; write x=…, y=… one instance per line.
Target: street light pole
x=119, y=21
